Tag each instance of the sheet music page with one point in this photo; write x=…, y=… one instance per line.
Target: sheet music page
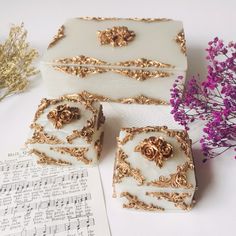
x=40, y=200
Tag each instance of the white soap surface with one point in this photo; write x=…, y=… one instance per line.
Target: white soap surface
x=154, y=41
x=174, y=185
x=53, y=142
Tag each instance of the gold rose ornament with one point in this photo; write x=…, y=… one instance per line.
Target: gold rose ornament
x=63, y=114
x=155, y=149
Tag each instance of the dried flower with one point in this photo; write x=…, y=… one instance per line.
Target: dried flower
x=214, y=100
x=15, y=62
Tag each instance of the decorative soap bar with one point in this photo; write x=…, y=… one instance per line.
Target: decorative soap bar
x=154, y=169
x=68, y=130
x=116, y=60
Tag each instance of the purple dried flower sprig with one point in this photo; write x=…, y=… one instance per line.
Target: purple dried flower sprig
x=213, y=100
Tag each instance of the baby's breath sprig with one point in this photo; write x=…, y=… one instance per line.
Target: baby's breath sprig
x=16, y=58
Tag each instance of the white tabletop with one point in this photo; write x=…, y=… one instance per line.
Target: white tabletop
x=215, y=212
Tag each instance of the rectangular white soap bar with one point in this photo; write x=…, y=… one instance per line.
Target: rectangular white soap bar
x=67, y=130
x=154, y=169
x=116, y=60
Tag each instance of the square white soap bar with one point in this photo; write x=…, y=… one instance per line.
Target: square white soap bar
x=115, y=59
x=154, y=169
x=67, y=130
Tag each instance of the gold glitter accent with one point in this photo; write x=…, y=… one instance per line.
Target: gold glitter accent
x=177, y=198
x=135, y=203
x=84, y=66
x=78, y=153
x=40, y=136
x=181, y=136
x=98, y=144
x=16, y=57
x=146, y=20
x=63, y=114
x=138, y=100
x=124, y=169
x=44, y=159
x=117, y=36
x=155, y=149
x=143, y=63
x=176, y=180
x=60, y=35
x=180, y=39
x=86, y=132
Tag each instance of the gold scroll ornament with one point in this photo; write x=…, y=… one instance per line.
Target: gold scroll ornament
x=84, y=66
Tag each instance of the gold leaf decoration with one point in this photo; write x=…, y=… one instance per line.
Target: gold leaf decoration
x=124, y=169
x=80, y=98
x=135, y=203
x=86, y=132
x=44, y=159
x=60, y=35
x=133, y=100
x=16, y=59
x=63, y=114
x=84, y=66
x=180, y=39
x=117, y=36
x=176, y=180
x=143, y=63
x=181, y=136
x=78, y=153
x=177, y=198
x=40, y=136
x=155, y=149
x=142, y=75
x=78, y=65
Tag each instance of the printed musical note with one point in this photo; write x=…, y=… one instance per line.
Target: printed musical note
x=49, y=200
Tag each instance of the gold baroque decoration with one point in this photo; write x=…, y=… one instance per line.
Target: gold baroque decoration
x=45, y=103
x=86, y=132
x=44, y=159
x=138, y=100
x=155, y=149
x=176, y=180
x=181, y=136
x=78, y=153
x=143, y=63
x=180, y=39
x=60, y=35
x=124, y=169
x=83, y=66
x=117, y=36
x=135, y=203
x=63, y=114
x=40, y=136
x=177, y=198
x=146, y=20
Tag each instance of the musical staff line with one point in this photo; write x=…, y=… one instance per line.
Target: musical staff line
x=54, y=229
x=60, y=202
x=21, y=185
